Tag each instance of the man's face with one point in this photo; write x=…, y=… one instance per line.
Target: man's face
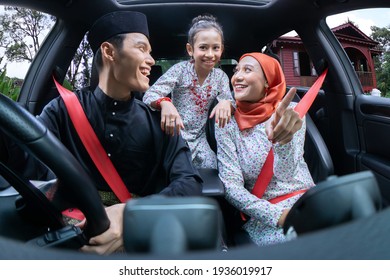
x=133, y=62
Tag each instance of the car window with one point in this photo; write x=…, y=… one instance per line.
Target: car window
x=167, y=63
x=80, y=69
x=22, y=33
x=292, y=55
x=365, y=37
x=162, y=65
x=245, y=2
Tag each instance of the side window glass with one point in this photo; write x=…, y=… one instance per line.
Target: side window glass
x=21, y=35
x=162, y=65
x=296, y=63
x=22, y=32
x=80, y=74
x=365, y=37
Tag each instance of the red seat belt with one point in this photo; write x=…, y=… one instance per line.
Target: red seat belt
x=92, y=145
x=302, y=107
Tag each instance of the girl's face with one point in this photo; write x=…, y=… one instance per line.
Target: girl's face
x=248, y=80
x=206, y=51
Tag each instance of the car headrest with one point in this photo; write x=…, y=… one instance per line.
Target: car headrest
x=334, y=201
x=155, y=73
x=229, y=70
x=171, y=225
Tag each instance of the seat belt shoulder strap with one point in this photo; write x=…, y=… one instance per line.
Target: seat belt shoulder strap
x=92, y=143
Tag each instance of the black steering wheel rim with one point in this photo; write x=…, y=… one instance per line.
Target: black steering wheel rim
x=77, y=188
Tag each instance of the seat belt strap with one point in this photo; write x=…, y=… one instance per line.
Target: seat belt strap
x=304, y=104
x=284, y=197
x=302, y=107
x=92, y=143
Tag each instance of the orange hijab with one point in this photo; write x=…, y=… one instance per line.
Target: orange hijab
x=250, y=114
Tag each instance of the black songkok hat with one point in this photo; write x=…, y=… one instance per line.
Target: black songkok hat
x=116, y=23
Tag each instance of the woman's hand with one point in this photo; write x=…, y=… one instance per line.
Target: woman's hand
x=111, y=240
x=285, y=122
x=222, y=112
x=170, y=118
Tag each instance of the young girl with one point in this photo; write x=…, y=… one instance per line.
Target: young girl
x=193, y=86
x=243, y=145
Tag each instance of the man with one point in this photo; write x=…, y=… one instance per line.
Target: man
x=147, y=160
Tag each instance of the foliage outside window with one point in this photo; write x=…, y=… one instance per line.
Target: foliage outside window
x=9, y=86
x=382, y=62
x=21, y=33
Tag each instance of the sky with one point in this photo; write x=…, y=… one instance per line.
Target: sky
x=364, y=19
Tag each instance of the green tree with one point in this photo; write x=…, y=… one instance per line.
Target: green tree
x=21, y=34
x=8, y=86
x=382, y=63
x=381, y=35
x=79, y=71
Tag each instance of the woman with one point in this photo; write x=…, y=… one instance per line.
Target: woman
x=259, y=86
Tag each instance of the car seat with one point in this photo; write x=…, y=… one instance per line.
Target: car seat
x=155, y=73
x=316, y=155
x=228, y=69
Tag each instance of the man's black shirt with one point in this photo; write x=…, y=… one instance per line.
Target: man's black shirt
x=148, y=160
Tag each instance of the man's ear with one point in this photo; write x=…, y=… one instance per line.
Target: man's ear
x=108, y=51
x=190, y=51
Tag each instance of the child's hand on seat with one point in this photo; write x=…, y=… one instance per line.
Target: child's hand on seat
x=222, y=112
x=282, y=218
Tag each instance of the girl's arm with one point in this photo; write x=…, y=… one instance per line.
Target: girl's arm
x=162, y=87
x=156, y=98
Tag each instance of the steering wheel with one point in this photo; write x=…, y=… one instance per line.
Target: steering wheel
x=76, y=187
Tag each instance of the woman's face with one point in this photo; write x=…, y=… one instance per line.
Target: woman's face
x=248, y=80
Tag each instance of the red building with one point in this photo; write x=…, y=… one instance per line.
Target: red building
x=359, y=47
